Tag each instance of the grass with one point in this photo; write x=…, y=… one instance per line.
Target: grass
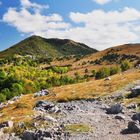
x=22, y=110
x=21, y=105
x=78, y=128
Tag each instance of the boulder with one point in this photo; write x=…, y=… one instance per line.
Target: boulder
x=28, y=135
x=115, y=109
x=135, y=91
x=41, y=134
x=136, y=116
x=46, y=106
x=134, y=127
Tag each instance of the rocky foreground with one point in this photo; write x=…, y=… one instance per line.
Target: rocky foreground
x=80, y=120
x=96, y=119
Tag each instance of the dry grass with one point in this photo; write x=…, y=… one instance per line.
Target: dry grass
x=84, y=90
x=95, y=88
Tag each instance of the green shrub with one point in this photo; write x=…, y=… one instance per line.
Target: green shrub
x=102, y=73
x=93, y=73
x=125, y=65
x=115, y=70
x=2, y=97
x=21, y=105
x=2, y=74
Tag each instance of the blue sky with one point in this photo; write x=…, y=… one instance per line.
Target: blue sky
x=97, y=23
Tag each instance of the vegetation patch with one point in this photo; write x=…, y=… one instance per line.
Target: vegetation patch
x=21, y=105
x=78, y=128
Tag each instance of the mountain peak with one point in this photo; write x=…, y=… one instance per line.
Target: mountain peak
x=42, y=47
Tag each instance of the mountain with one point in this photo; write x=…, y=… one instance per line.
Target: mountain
x=125, y=50
x=42, y=47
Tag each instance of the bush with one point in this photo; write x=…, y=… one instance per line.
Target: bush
x=125, y=65
x=2, y=98
x=21, y=105
x=77, y=76
x=93, y=73
x=2, y=74
x=17, y=88
x=102, y=73
x=115, y=70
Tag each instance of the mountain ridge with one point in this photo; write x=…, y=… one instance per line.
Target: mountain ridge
x=42, y=47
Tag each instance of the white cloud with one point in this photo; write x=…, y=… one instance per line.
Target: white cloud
x=102, y=29
x=99, y=29
x=33, y=22
x=28, y=4
x=102, y=1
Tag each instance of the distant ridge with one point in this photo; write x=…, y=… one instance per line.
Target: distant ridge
x=42, y=47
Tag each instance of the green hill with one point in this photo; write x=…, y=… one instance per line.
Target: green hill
x=41, y=47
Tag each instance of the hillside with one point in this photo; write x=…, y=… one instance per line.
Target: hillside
x=106, y=58
x=75, y=101
x=126, y=49
x=41, y=47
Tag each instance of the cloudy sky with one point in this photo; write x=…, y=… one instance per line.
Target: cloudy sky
x=97, y=23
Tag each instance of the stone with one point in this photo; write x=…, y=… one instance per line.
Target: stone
x=115, y=109
x=42, y=134
x=50, y=119
x=46, y=106
x=135, y=92
x=21, y=124
x=136, y=116
x=134, y=127
x=120, y=117
x=7, y=124
x=132, y=106
x=28, y=135
x=107, y=78
x=41, y=93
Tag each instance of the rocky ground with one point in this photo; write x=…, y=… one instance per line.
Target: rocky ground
x=97, y=119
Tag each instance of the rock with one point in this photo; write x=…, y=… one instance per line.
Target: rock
x=11, y=102
x=42, y=134
x=21, y=124
x=132, y=106
x=46, y=106
x=134, y=127
x=50, y=119
x=136, y=116
x=6, y=124
x=16, y=98
x=41, y=93
x=28, y=135
x=120, y=117
x=135, y=92
x=115, y=109
x=107, y=78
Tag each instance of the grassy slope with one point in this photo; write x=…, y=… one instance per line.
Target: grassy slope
x=133, y=49
x=91, y=89
x=42, y=47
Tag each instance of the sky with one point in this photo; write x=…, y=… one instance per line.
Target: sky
x=99, y=24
